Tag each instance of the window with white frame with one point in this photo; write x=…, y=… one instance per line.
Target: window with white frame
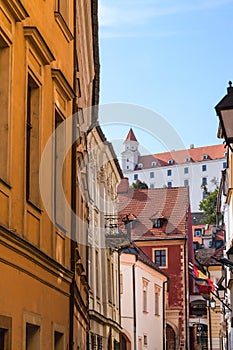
x=204, y=167
x=197, y=233
x=158, y=223
x=152, y=174
x=121, y=283
x=145, y=340
x=144, y=295
x=186, y=170
x=204, y=181
x=156, y=299
x=204, y=195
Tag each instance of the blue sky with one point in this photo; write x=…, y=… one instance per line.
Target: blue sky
x=172, y=57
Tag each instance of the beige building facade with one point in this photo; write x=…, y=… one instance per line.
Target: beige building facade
x=103, y=275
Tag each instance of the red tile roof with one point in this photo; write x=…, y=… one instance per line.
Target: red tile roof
x=179, y=157
x=131, y=136
x=168, y=203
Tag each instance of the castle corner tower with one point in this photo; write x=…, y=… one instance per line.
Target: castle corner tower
x=131, y=154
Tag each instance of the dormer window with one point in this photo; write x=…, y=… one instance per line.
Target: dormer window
x=153, y=164
x=205, y=156
x=140, y=166
x=225, y=154
x=171, y=161
x=188, y=159
x=158, y=223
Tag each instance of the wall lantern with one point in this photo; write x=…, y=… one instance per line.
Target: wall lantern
x=212, y=303
x=221, y=292
x=224, y=110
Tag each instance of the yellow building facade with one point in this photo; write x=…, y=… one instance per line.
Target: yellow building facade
x=48, y=72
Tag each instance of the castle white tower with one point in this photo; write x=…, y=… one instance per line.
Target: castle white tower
x=131, y=154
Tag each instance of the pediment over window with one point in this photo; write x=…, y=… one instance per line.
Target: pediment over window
x=16, y=9
x=38, y=43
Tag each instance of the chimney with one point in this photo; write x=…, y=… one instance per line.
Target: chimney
x=192, y=145
x=123, y=185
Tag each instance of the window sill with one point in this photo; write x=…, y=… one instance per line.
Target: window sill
x=63, y=26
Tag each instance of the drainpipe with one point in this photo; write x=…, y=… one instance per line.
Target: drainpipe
x=209, y=315
x=134, y=310
x=185, y=289
x=164, y=316
x=119, y=293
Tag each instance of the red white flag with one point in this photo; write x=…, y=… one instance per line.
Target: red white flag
x=204, y=284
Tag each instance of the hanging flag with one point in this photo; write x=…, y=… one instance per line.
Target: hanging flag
x=204, y=284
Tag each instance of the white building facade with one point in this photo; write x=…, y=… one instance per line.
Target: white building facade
x=192, y=167
x=142, y=289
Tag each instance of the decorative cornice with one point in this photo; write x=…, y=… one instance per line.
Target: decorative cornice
x=95, y=315
x=36, y=40
x=63, y=84
x=21, y=246
x=16, y=9
x=64, y=27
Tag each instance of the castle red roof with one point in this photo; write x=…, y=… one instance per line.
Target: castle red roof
x=131, y=136
x=168, y=204
x=180, y=157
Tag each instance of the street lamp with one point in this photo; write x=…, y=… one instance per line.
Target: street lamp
x=224, y=110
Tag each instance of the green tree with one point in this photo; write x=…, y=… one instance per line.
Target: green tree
x=139, y=185
x=209, y=203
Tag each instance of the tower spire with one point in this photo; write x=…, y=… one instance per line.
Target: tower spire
x=131, y=136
